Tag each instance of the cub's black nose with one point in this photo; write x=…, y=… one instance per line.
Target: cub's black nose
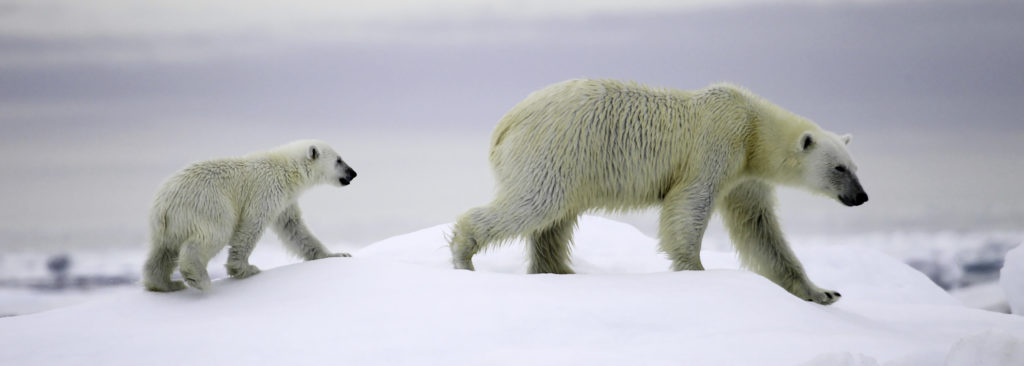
x=854, y=199
x=350, y=173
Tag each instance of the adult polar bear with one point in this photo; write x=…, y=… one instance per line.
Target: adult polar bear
x=597, y=144
x=222, y=202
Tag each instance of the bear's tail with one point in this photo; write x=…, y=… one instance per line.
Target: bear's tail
x=498, y=135
x=157, y=225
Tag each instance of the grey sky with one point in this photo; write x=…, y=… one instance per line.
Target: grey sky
x=99, y=103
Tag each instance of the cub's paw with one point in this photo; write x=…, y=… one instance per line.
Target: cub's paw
x=166, y=287
x=241, y=271
x=687, y=265
x=197, y=281
x=463, y=264
x=322, y=255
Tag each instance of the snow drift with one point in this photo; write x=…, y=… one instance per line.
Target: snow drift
x=397, y=302
x=1012, y=279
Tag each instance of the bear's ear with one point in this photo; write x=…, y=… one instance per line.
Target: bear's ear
x=313, y=153
x=805, y=142
x=846, y=139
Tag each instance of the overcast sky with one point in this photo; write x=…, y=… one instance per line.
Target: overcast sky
x=100, y=100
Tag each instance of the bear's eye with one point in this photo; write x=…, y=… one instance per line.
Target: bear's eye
x=841, y=169
x=338, y=161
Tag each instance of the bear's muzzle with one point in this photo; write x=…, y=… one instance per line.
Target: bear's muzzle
x=349, y=176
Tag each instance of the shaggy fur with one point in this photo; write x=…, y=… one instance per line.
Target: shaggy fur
x=595, y=144
x=211, y=204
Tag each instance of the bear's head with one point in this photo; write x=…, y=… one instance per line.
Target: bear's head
x=326, y=166
x=828, y=168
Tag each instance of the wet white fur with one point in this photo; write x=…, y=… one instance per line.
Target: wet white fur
x=229, y=202
x=581, y=145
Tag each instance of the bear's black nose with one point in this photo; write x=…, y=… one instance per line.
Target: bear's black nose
x=350, y=173
x=862, y=197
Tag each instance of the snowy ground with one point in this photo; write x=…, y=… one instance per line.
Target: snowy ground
x=398, y=302
x=966, y=264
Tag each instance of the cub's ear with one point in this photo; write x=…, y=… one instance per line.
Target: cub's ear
x=805, y=142
x=313, y=153
x=847, y=138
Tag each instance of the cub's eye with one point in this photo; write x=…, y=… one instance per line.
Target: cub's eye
x=338, y=161
x=841, y=169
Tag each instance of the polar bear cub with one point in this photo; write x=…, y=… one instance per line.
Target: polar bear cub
x=229, y=202
x=582, y=145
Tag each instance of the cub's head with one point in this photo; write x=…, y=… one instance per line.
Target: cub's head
x=321, y=163
x=327, y=166
x=828, y=168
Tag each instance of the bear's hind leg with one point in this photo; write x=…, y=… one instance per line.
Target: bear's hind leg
x=156, y=274
x=481, y=226
x=750, y=218
x=463, y=243
x=550, y=248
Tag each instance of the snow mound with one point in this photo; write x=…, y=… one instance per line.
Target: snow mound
x=398, y=302
x=988, y=296
x=1011, y=277
x=842, y=359
x=604, y=246
x=989, y=348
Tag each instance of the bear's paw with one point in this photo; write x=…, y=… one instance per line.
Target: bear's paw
x=821, y=296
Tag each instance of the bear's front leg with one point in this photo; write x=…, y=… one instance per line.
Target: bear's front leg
x=684, y=216
x=749, y=213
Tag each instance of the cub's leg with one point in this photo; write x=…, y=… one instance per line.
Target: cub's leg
x=195, y=255
x=297, y=238
x=550, y=248
x=156, y=274
x=748, y=212
x=243, y=240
